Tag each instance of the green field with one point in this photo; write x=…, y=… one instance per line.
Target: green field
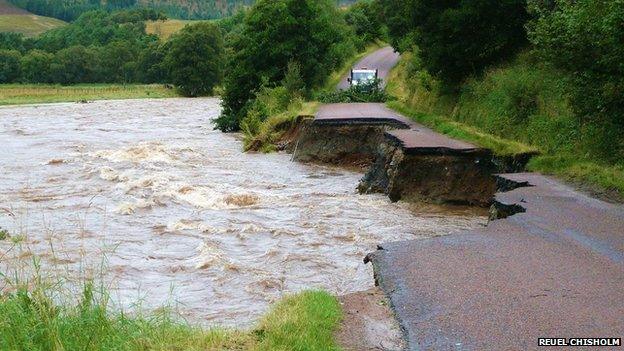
x=13, y=19
x=165, y=29
x=17, y=94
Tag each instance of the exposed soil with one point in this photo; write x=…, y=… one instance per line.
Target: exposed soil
x=352, y=145
x=455, y=179
x=368, y=323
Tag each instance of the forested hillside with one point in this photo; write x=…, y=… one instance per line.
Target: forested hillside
x=69, y=10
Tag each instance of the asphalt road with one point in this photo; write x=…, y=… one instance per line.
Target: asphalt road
x=383, y=60
x=555, y=271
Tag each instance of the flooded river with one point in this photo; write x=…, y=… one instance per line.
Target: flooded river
x=177, y=215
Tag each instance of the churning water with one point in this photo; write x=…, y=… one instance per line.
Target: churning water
x=181, y=215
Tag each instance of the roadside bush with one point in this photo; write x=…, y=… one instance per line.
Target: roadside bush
x=9, y=66
x=368, y=92
x=195, y=58
x=585, y=40
x=457, y=38
x=275, y=33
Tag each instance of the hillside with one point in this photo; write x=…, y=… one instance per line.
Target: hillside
x=69, y=10
x=14, y=19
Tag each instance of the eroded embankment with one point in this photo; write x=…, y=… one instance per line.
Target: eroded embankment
x=345, y=143
x=431, y=175
x=414, y=165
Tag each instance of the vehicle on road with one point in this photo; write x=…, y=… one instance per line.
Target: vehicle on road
x=362, y=76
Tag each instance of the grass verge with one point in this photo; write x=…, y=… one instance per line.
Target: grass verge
x=33, y=319
x=265, y=137
x=17, y=94
x=500, y=146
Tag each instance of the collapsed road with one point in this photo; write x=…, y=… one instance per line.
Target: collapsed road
x=549, y=264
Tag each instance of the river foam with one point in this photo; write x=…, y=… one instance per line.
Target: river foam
x=176, y=214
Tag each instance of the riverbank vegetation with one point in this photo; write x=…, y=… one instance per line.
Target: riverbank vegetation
x=554, y=88
x=19, y=94
x=40, y=315
x=272, y=79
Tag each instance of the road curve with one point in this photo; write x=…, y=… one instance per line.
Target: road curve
x=383, y=60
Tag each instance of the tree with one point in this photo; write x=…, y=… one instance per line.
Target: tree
x=585, y=40
x=114, y=58
x=364, y=18
x=274, y=33
x=75, y=64
x=36, y=66
x=9, y=66
x=195, y=59
x=457, y=38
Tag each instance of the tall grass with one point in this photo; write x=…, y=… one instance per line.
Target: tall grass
x=41, y=314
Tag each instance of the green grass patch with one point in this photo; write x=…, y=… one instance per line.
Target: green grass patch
x=597, y=178
x=41, y=317
x=28, y=24
x=306, y=321
x=16, y=94
x=453, y=129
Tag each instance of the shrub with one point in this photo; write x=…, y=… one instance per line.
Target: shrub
x=275, y=33
x=457, y=38
x=368, y=92
x=584, y=40
x=195, y=58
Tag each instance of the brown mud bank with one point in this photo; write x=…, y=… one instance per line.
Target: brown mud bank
x=439, y=172
x=462, y=177
x=349, y=144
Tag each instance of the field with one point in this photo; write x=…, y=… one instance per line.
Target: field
x=13, y=19
x=16, y=94
x=165, y=29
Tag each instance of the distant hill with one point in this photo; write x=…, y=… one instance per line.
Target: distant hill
x=14, y=19
x=69, y=10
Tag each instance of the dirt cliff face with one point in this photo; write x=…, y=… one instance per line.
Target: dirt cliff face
x=351, y=145
x=436, y=178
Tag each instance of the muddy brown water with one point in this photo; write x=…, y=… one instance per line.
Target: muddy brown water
x=175, y=214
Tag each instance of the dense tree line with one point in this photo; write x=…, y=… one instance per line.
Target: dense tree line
x=101, y=47
x=69, y=10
